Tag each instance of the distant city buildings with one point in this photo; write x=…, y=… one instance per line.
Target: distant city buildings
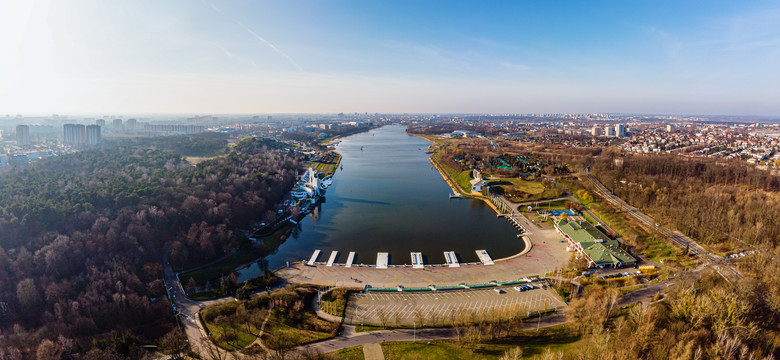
x=93, y=135
x=174, y=129
x=131, y=124
x=596, y=131
x=100, y=122
x=118, y=124
x=22, y=135
x=75, y=134
x=610, y=131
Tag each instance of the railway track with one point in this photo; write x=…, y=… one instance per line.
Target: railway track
x=727, y=271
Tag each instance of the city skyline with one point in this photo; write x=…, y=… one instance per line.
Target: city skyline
x=716, y=58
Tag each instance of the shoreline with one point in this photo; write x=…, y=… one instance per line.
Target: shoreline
x=456, y=189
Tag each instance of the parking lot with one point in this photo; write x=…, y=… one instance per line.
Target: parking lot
x=442, y=308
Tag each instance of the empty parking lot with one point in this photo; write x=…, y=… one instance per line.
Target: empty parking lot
x=441, y=308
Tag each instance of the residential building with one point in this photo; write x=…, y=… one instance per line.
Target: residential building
x=22, y=135
x=620, y=130
x=75, y=134
x=93, y=135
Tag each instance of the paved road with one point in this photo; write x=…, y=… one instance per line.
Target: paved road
x=350, y=338
x=187, y=308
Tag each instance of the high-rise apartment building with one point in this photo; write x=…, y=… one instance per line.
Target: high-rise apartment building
x=620, y=130
x=100, y=122
x=117, y=124
x=75, y=134
x=131, y=124
x=93, y=134
x=596, y=131
x=22, y=135
x=610, y=131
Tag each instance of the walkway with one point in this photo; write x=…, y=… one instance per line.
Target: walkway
x=373, y=352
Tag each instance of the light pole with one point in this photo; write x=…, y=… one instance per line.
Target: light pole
x=414, y=331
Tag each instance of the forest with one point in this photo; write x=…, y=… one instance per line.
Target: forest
x=725, y=204
x=82, y=236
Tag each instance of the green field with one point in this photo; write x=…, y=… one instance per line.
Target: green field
x=289, y=322
x=533, y=343
x=232, y=337
x=351, y=353
x=511, y=185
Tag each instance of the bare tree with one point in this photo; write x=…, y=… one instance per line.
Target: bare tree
x=211, y=351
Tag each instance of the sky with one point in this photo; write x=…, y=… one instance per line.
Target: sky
x=219, y=57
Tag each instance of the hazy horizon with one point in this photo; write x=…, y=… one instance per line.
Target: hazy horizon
x=210, y=57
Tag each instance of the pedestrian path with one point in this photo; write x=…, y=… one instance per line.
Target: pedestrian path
x=373, y=352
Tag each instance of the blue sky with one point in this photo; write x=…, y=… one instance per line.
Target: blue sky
x=671, y=57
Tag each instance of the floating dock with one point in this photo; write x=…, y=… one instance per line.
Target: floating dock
x=484, y=257
x=350, y=259
x=417, y=260
x=314, y=257
x=452, y=260
x=332, y=258
x=381, y=260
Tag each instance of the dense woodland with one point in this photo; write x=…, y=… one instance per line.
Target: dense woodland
x=726, y=204
x=82, y=236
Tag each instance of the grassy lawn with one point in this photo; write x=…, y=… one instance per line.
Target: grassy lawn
x=462, y=178
x=235, y=324
x=558, y=338
x=329, y=165
x=511, y=185
x=233, y=336
x=552, y=205
x=351, y=353
x=363, y=328
x=312, y=328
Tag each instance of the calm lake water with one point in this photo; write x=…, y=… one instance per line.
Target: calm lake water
x=389, y=198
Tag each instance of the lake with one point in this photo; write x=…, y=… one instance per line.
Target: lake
x=389, y=198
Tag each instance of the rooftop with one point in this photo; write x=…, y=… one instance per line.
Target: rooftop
x=599, y=247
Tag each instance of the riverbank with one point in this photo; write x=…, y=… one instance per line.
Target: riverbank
x=451, y=182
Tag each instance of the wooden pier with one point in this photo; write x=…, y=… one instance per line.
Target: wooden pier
x=314, y=257
x=350, y=259
x=417, y=260
x=452, y=260
x=381, y=260
x=332, y=258
x=484, y=257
